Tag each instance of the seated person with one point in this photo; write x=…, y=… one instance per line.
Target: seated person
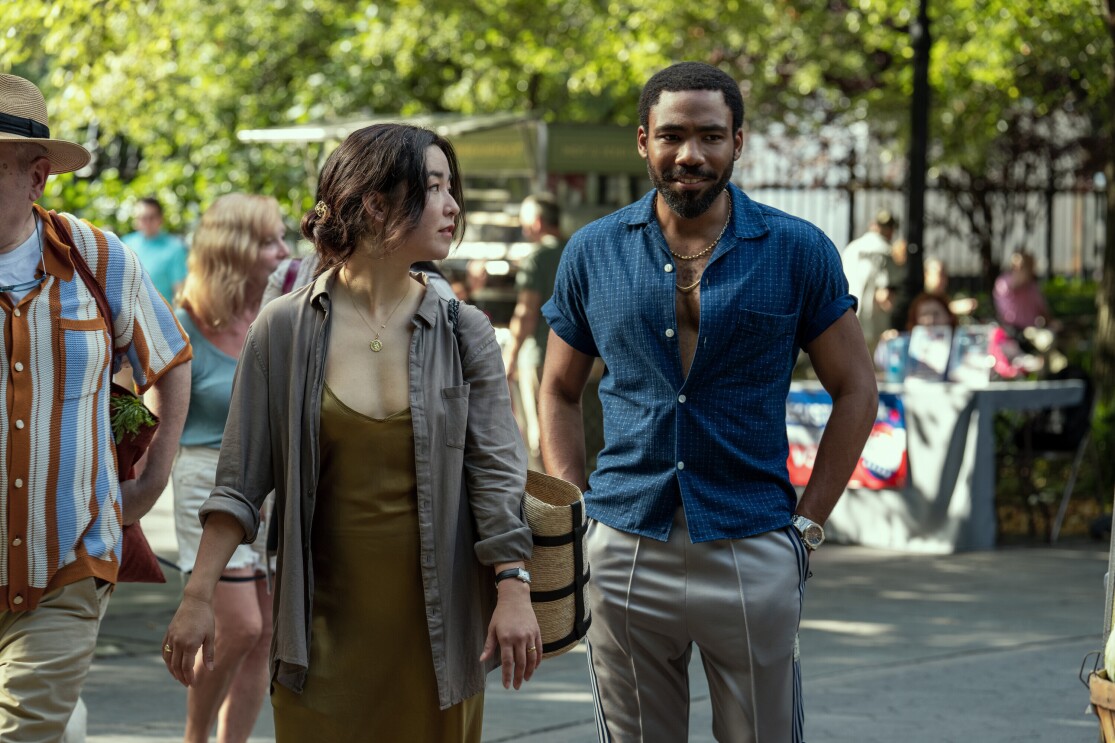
x=1019, y=303
x=926, y=309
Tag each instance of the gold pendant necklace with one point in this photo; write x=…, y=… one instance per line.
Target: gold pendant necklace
x=376, y=344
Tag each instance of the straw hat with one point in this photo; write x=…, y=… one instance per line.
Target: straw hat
x=23, y=119
x=555, y=512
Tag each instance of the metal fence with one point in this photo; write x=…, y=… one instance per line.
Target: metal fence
x=1064, y=229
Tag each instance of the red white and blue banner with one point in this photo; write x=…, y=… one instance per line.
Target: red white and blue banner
x=883, y=463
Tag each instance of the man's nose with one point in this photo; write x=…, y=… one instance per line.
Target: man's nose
x=690, y=153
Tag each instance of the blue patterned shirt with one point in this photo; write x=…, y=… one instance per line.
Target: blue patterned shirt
x=716, y=439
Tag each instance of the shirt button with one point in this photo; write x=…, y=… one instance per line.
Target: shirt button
x=18, y=483
x=681, y=398
x=16, y=542
x=681, y=465
x=669, y=267
x=19, y=366
x=669, y=332
x=17, y=600
x=17, y=313
x=19, y=424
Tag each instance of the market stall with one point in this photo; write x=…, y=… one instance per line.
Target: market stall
x=926, y=480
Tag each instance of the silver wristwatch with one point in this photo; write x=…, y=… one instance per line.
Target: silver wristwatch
x=812, y=534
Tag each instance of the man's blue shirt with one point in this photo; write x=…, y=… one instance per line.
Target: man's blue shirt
x=164, y=258
x=717, y=438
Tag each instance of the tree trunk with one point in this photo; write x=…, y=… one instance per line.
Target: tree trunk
x=1103, y=363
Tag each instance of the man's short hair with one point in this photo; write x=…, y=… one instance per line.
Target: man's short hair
x=885, y=219
x=548, y=209
x=691, y=76
x=152, y=202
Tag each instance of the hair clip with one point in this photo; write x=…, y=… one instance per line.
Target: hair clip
x=322, y=210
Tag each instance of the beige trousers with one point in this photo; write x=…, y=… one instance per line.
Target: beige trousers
x=44, y=656
x=738, y=600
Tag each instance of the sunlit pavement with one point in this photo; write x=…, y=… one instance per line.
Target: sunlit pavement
x=970, y=647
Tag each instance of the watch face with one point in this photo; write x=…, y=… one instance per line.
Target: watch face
x=813, y=536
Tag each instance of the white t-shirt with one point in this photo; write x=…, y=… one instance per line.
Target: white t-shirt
x=18, y=266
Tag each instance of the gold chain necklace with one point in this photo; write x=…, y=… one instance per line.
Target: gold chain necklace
x=706, y=251
x=691, y=287
x=713, y=244
x=376, y=345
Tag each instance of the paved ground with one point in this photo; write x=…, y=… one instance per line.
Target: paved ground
x=972, y=647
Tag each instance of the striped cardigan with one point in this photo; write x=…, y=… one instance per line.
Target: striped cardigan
x=60, y=517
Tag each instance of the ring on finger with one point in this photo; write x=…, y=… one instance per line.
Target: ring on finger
x=531, y=649
x=167, y=648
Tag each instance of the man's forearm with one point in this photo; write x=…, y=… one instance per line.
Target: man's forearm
x=563, y=437
x=840, y=447
x=169, y=399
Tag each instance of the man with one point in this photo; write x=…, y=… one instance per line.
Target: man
x=698, y=299
x=163, y=255
x=540, y=217
x=873, y=275
x=61, y=502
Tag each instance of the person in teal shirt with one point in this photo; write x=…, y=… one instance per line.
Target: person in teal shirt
x=162, y=254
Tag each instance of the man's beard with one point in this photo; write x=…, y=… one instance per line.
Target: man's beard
x=688, y=204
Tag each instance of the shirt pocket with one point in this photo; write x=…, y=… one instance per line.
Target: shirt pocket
x=454, y=401
x=767, y=341
x=83, y=350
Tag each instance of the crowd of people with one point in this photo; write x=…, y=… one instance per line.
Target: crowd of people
x=875, y=267
x=346, y=407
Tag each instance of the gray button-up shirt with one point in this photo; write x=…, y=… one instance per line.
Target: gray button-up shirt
x=469, y=456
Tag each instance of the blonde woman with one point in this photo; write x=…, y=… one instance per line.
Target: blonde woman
x=235, y=248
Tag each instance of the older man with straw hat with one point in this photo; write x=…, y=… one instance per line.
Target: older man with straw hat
x=62, y=506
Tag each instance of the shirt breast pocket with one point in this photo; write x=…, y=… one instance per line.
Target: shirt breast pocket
x=767, y=341
x=454, y=401
x=83, y=348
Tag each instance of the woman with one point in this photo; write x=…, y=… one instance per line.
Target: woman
x=235, y=248
x=927, y=309
x=379, y=413
x=1019, y=303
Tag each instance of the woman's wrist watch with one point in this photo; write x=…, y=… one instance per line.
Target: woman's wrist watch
x=812, y=534
x=518, y=573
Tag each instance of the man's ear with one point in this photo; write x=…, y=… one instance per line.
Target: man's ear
x=739, y=138
x=641, y=142
x=40, y=172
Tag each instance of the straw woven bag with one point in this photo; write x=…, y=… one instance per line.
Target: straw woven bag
x=555, y=512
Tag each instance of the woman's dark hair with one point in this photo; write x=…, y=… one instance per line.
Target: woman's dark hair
x=924, y=297
x=691, y=76
x=385, y=161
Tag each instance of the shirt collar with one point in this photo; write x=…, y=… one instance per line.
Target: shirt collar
x=747, y=219
x=56, y=248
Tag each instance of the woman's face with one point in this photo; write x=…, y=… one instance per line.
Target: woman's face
x=271, y=253
x=432, y=236
x=931, y=312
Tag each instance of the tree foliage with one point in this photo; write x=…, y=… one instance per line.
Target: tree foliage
x=159, y=89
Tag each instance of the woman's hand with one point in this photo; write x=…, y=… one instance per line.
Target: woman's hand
x=514, y=630
x=191, y=628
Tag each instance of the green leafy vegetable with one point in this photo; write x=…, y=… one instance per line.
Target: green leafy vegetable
x=129, y=416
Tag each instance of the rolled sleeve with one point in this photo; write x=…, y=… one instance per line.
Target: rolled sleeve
x=244, y=470
x=826, y=296
x=495, y=457
x=566, y=311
